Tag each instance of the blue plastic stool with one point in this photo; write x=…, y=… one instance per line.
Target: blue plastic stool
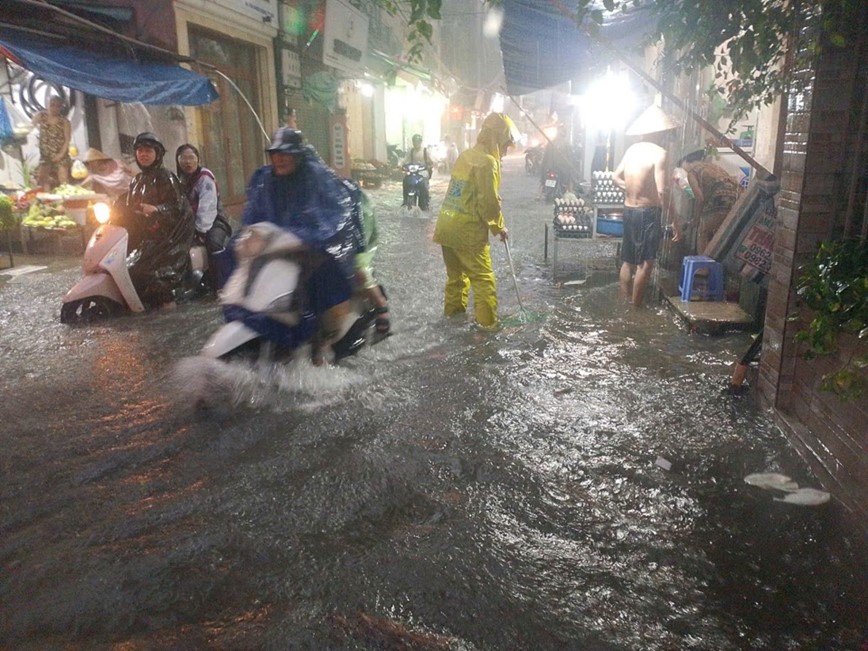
x=714, y=281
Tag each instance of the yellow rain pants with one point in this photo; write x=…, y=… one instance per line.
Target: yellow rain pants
x=466, y=269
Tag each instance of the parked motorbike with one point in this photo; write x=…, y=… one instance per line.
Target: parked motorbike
x=552, y=187
x=106, y=288
x=533, y=160
x=415, y=186
x=262, y=302
x=395, y=155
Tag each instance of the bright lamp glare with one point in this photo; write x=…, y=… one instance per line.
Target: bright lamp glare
x=497, y=103
x=609, y=102
x=101, y=212
x=366, y=89
x=493, y=23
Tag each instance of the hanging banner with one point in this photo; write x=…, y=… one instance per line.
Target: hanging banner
x=345, y=37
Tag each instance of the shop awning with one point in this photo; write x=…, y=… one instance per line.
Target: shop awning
x=133, y=79
x=542, y=47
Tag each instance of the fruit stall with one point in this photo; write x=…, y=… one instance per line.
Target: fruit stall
x=49, y=219
x=369, y=173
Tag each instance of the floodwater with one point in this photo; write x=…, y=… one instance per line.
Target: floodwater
x=573, y=482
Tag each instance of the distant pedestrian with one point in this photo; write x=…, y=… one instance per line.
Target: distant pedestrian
x=644, y=176
x=451, y=152
x=470, y=211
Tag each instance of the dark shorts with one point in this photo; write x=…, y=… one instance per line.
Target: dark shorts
x=642, y=234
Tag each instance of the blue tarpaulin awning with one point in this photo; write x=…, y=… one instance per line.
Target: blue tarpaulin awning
x=107, y=76
x=542, y=47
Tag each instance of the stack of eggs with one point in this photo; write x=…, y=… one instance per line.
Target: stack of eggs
x=605, y=190
x=573, y=218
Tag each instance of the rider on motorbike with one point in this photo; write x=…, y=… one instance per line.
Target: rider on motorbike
x=200, y=187
x=418, y=155
x=299, y=193
x=160, y=223
x=558, y=158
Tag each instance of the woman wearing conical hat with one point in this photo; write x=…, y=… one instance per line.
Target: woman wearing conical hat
x=105, y=174
x=643, y=175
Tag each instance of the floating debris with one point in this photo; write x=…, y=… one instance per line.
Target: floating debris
x=663, y=463
x=806, y=497
x=772, y=481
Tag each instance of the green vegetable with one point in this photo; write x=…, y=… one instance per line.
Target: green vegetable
x=7, y=215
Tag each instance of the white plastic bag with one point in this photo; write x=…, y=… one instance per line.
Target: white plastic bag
x=79, y=171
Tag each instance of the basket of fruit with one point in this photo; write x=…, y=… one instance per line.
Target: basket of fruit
x=47, y=211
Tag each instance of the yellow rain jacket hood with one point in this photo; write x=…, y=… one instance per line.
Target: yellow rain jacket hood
x=471, y=208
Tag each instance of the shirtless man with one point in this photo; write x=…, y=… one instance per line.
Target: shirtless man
x=644, y=177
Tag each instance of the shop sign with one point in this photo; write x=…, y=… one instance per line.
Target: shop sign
x=290, y=68
x=340, y=156
x=345, y=37
x=756, y=250
x=264, y=11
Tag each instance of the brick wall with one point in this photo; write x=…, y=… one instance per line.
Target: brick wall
x=820, y=150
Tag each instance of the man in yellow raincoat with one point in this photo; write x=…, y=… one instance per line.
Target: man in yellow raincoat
x=470, y=211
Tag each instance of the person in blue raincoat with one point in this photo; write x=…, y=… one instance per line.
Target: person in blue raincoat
x=300, y=193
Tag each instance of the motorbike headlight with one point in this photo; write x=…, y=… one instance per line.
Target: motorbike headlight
x=101, y=212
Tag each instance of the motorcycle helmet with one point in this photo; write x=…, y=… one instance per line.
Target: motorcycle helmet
x=287, y=140
x=149, y=139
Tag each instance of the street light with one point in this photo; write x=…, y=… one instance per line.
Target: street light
x=607, y=105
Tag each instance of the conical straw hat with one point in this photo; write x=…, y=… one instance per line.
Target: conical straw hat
x=94, y=155
x=652, y=120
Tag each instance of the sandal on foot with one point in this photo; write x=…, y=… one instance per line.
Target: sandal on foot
x=382, y=324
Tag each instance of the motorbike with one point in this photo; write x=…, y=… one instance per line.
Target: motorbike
x=263, y=302
x=533, y=157
x=552, y=187
x=106, y=288
x=415, y=186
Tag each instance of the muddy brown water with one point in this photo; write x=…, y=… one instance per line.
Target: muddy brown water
x=448, y=489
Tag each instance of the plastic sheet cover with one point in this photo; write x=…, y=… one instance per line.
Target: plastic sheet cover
x=542, y=47
x=108, y=77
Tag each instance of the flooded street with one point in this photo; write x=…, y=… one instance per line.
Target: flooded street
x=448, y=488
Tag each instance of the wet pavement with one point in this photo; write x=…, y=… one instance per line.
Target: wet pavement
x=571, y=481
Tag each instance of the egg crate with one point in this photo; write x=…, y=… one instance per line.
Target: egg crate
x=608, y=197
x=572, y=235
x=577, y=226
x=604, y=189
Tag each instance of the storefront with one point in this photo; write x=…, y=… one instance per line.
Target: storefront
x=237, y=38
